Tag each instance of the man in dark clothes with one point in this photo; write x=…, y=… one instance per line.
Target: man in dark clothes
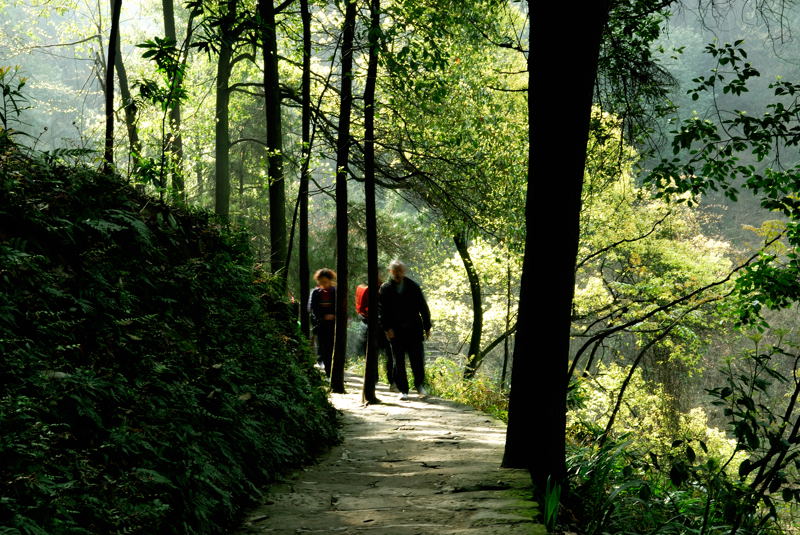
x=404, y=316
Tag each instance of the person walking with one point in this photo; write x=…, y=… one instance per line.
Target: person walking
x=362, y=309
x=322, y=309
x=406, y=320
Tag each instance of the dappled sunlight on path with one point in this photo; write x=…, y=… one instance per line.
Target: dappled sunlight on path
x=422, y=466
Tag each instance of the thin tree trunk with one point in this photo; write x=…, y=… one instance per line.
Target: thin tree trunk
x=342, y=161
x=222, y=140
x=201, y=184
x=303, y=265
x=128, y=104
x=272, y=106
x=108, y=149
x=474, y=355
x=174, y=141
x=508, y=324
x=558, y=123
x=371, y=369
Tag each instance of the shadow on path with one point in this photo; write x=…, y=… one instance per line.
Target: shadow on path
x=422, y=466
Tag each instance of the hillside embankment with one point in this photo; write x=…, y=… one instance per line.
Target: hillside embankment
x=152, y=380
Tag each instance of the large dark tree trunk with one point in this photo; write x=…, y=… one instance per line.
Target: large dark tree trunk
x=272, y=105
x=342, y=160
x=302, y=249
x=558, y=112
x=174, y=141
x=222, y=138
x=108, y=149
x=474, y=354
x=128, y=104
x=371, y=369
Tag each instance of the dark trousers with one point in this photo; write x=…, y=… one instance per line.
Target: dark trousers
x=408, y=343
x=325, y=332
x=386, y=349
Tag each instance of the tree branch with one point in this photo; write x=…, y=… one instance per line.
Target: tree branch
x=248, y=139
x=35, y=47
x=620, y=242
x=666, y=306
x=497, y=341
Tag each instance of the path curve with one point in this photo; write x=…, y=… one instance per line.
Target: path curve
x=418, y=467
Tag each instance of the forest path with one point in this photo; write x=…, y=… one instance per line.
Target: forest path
x=422, y=466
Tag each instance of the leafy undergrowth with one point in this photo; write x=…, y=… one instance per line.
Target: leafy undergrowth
x=445, y=379
x=150, y=381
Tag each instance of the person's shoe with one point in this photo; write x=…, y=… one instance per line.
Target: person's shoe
x=422, y=391
x=393, y=388
x=403, y=396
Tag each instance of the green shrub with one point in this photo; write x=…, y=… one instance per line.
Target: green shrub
x=446, y=379
x=646, y=414
x=151, y=380
x=656, y=474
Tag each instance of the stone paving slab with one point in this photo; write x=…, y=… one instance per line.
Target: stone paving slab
x=425, y=466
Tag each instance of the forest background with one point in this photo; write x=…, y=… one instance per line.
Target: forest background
x=668, y=305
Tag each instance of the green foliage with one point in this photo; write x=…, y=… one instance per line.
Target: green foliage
x=622, y=487
x=445, y=378
x=552, y=501
x=712, y=157
x=151, y=379
x=165, y=94
x=448, y=295
x=631, y=83
x=760, y=403
x=13, y=100
x=434, y=77
x=167, y=57
x=646, y=413
x=653, y=474
x=646, y=271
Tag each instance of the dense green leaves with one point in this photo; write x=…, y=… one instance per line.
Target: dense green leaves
x=12, y=99
x=712, y=157
x=150, y=380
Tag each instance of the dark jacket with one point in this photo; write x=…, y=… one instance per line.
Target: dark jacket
x=319, y=307
x=403, y=311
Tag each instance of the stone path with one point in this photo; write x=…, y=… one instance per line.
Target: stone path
x=423, y=467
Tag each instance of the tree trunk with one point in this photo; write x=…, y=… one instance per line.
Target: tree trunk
x=558, y=123
x=302, y=249
x=108, y=149
x=201, y=183
x=272, y=106
x=128, y=104
x=508, y=325
x=342, y=160
x=222, y=139
x=474, y=354
x=173, y=141
x=371, y=368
